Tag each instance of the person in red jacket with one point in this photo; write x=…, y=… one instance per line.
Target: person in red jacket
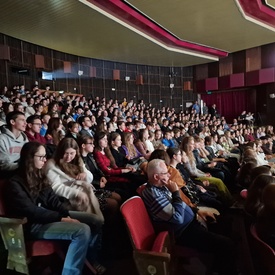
x=122, y=180
x=34, y=125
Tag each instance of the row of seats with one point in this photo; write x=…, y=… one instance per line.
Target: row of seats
x=153, y=253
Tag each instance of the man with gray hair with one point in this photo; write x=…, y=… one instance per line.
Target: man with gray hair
x=168, y=212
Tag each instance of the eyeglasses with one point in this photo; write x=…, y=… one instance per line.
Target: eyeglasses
x=164, y=173
x=41, y=157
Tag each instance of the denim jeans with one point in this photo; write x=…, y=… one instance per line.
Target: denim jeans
x=82, y=241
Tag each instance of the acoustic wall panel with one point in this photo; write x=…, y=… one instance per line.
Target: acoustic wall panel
x=231, y=81
x=5, y=52
x=116, y=74
x=187, y=86
x=39, y=61
x=92, y=72
x=261, y=76
x=67, y=67
x=139, y=79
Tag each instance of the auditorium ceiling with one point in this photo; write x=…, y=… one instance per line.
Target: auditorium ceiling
x=153, y=32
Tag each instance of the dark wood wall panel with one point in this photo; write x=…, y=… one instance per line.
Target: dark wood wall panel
x=239, y=63
x=213, y=69
x=200, y=72
x=253, y=59
x=155, y=84
x=268, y=56
x=226, y=66
x=120, y=66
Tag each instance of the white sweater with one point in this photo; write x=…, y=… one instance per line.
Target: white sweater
x=61, y=182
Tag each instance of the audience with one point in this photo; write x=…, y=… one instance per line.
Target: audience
x=117, y=170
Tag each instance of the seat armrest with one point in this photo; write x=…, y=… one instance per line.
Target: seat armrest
x=11, y=230
x=148, y=262
x=162, y=242
x=145, y=254
x=5, y=220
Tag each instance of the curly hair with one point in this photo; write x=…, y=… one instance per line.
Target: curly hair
x=35, y=179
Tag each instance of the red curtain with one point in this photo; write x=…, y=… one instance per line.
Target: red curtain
x=230, y=104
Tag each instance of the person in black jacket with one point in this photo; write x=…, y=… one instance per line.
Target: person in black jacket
x=30, y=195
x=109, y=201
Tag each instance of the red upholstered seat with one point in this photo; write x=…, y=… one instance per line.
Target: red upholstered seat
x=151, y=250
x=265, y=255
x=141, y=188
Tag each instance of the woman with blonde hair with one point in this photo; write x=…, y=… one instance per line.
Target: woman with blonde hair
x=130, y=149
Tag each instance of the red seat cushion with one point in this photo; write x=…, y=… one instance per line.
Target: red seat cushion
x=160, y=241
x=41, y=247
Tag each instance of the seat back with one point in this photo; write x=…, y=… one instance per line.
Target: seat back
x=2, y=194
x=141, y=188
x=138, y=222
x=265, y=254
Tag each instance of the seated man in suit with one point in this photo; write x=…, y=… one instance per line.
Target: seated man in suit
x=86, y=124
x=168, y=212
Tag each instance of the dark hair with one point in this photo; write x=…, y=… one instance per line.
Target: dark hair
x=263, y=169
x=112, y=137
x=160, y=154
x=253, y=202
x=71, y=124
x=32, y=118
x=13, y=116
x=81, y=119
x=6, y=106
x=98, y=137
x=141, y=134
x=244, y=175
x=53, y=125
x=172, y=151
x=83, y=140
x=34, y=179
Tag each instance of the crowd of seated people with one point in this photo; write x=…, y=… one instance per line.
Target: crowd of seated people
x=98, y=151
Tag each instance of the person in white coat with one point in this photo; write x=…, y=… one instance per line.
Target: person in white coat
x=69, y=178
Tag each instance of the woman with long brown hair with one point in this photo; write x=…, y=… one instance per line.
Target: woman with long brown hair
x=69, y=178
x=143, y=144
x=54, y=132
x=30, y=195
